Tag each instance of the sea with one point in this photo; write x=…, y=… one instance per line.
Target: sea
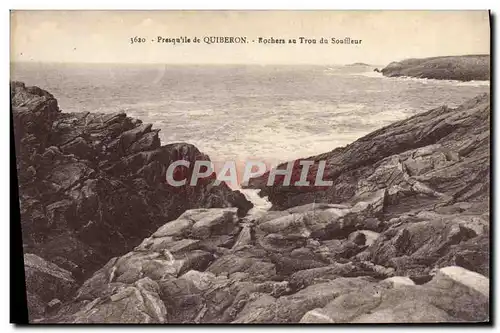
x=270, y=113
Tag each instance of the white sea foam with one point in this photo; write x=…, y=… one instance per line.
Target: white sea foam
x=266, y=113
x=369, y=74
x=474, y=83
x=444, y=82
x=260, y=204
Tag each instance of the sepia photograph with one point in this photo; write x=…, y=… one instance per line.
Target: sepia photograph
x=251, y=166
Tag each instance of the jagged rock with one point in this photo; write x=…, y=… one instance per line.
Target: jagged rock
x=290, y=224
x=337, y=249
x=307, y=277
x=413, y=248
x=58, y=213
x=204, y=297
x=430, y=158
x=219, y=222
x=44, y=282
x=298, y=259
x=244, y=238
x=77, y=146
x=363, y=237
x=34, y=111
x=65, y=176
x=248, y=260
x=271, y=215
x=54, y=304
x=36, y=306
x=133, y=304
x=178, y=227
x=473, y=254
x=454, y=295
x=289, y=309
x=321, y=222
x=183, y=298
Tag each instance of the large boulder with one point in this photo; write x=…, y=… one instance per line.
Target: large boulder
x=290, y=309
x=138, y=303
x=427, y=240
x=453, y=295
x=45, y=282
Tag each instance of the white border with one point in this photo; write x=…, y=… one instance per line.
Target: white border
x=255, y=4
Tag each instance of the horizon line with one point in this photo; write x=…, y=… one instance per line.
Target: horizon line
x=231, y=63
x=186, y=64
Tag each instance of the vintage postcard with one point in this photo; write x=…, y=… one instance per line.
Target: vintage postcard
x=251, y=167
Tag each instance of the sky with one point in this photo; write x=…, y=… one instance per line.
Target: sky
x=104, y=36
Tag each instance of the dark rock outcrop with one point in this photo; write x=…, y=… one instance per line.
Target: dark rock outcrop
x=92, y=186
x=453, y=295
x=46, y=285
x=174, y=277
x=430, y=174
x=462, y=68
x=440, y=157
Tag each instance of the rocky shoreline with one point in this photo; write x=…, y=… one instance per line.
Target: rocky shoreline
x=92, y=186
x=461, y=68
x=401, y=236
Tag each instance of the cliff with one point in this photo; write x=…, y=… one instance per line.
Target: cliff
x=462, y=68
x=402, y=236
x=92, y=186
x=439, y=157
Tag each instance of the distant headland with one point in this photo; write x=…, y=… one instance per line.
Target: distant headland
x=462, y=68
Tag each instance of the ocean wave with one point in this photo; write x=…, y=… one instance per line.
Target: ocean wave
x=472, y=83
x=443, y=82
x=369, y=74
x=243, y=112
